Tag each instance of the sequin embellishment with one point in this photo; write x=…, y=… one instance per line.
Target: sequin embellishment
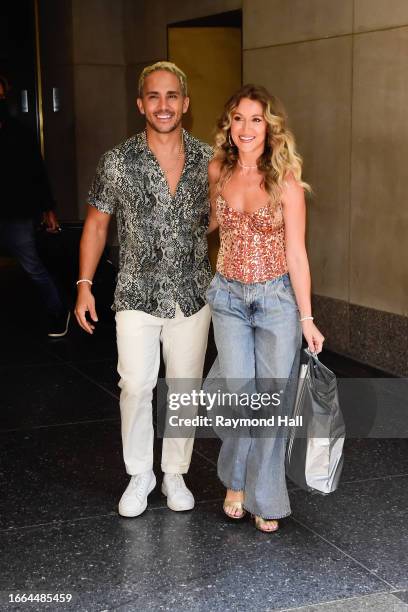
x=252, y=246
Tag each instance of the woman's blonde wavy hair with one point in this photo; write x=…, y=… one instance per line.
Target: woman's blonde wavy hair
x=279, y=157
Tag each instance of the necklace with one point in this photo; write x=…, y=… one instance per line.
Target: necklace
x=179, y=155
x=243, y=166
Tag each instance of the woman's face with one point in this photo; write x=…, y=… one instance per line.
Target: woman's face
x=248, y=126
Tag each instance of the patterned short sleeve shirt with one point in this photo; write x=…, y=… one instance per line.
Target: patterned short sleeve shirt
x=163, y=258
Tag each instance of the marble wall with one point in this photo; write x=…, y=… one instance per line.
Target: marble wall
x=340, y=69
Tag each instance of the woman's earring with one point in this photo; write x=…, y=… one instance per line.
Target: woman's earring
x=230, y=140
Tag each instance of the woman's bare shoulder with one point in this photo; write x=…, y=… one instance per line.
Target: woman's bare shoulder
x=291, y=187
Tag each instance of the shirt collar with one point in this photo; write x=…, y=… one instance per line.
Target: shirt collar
x=192, y=150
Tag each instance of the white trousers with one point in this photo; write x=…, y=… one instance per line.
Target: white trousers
x=184, y=342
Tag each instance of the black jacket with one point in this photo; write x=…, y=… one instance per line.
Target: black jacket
x=24, y=188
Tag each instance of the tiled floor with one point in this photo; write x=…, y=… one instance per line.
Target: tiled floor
x=61, y=475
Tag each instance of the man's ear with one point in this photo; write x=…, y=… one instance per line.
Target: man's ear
x=139, y=103
x=186, y=104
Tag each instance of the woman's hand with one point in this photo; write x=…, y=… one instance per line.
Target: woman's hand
x=313, y=336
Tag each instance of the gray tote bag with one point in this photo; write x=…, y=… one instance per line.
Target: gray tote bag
x=314, y=452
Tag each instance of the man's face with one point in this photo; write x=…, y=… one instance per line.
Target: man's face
x=162, y=103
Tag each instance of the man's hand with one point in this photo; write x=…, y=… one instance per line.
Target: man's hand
x=85, y=303
x=51, y=222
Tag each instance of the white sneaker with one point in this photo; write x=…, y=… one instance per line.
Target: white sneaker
x=178, y=496
x=134, y=500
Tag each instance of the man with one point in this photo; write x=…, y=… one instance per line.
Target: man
x=25, y=195
x=156, y=184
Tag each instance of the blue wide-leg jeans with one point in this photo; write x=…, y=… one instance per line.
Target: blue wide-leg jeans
x=258, y=338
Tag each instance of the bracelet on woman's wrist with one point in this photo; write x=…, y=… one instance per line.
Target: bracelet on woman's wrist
x=308, y=318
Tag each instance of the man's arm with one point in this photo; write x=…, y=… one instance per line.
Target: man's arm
x=91, y=247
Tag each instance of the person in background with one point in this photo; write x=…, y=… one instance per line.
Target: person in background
x=156, y=183
x=260, y=296
x=25, y=199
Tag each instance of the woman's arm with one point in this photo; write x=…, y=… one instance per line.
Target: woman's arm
x=294, y=212
x=213, y=177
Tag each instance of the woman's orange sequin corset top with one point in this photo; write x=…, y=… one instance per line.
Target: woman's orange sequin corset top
x=252, y=246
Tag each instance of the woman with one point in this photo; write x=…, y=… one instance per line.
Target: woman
x=260, y=295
